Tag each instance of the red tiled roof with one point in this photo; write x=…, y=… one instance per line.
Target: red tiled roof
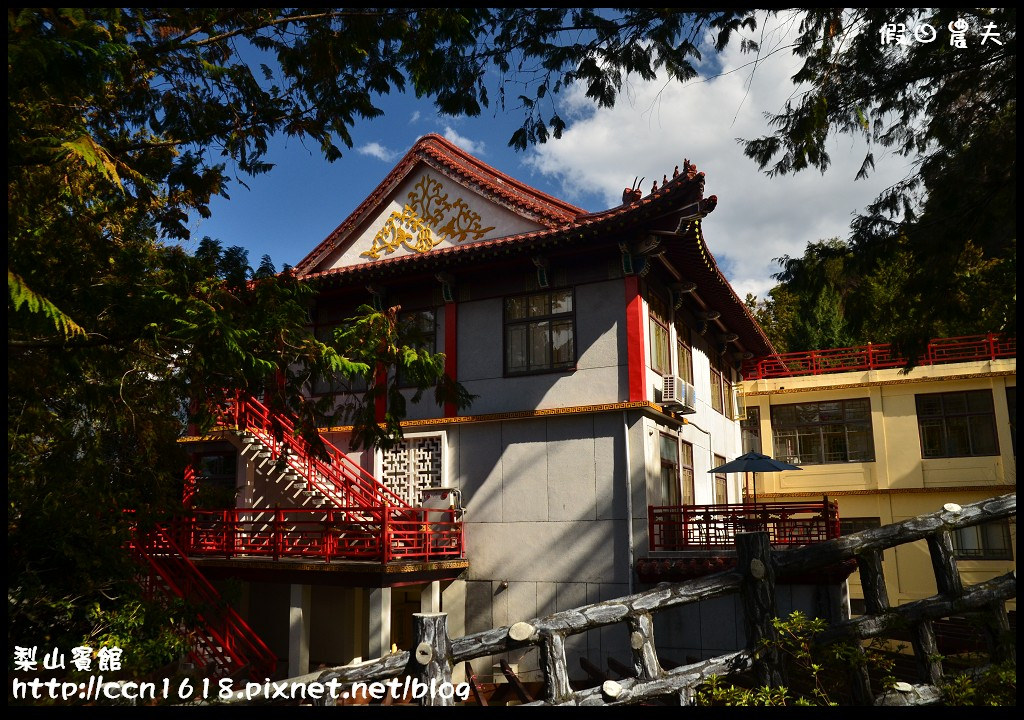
x=679, y=196
x=446, y=157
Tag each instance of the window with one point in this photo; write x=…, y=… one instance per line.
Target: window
x=661, y=362
x=849, y=526
x=424, y=324
x=957, y=424
x=686, y=472
x=814, y=433
x=988, y=541
x=718, y=386
x=721, y=483
x=539, y=332
x=684, y=353
x=1011, y=406
x=750, y=430
x=669, y=470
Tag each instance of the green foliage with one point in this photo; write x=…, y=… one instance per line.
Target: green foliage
x=995, y=685
x=818, y=674
x=952, y=112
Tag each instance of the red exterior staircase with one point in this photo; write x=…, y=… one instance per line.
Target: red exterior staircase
x=223, y=645
x=337, y=479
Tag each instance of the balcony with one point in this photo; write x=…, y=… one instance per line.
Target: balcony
x=376, y=534
x=707, y=527
x=972, y=348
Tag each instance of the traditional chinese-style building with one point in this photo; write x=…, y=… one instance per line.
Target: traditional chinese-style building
x=606, y=353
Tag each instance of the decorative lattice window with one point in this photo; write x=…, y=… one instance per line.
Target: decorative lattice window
x=413, y=465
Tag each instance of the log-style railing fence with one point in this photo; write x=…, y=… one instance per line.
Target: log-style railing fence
x=754, y=580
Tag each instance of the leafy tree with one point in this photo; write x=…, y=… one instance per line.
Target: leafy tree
x=951, y=223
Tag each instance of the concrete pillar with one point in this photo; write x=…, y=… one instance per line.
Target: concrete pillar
x=299, y=612
x=380, y=622
x=430, y=597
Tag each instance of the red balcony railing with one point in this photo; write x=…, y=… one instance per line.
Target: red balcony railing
x=879, y=357
x=696, y=527
x=380, y=534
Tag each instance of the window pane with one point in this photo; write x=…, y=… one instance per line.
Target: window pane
x=857, y=409
x=538, y=305
x=684, y=362
x=687, y=458
x=659, y=348
x=807, y=413
x=979, y=402
x=958, y=437
x=859, y=445
x=809, y=444
x=515, y=346
x=540, y=335
x=983, y=435
x=830, y=411
x=929, y=405
x=784, y=416
x=515, y=308
x=954, y=404
x=669, y=449
x=561, y=301
x=932, y=438
x=562, y=342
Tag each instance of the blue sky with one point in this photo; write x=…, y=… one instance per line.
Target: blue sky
x=652, y=128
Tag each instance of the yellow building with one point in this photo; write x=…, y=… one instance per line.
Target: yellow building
x=890, y=445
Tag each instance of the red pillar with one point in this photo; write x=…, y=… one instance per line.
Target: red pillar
x=637, y=361
x=451, y=355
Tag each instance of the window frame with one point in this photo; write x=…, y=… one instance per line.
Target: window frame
x=780, y=442
x=721, y=481
x=552, y=367
x=673, y=467
x=430, y=336
x=985, y=549
x=688, y=488
x=947, y=417
x=658, y=323
x=750, y=429
x=686, y=374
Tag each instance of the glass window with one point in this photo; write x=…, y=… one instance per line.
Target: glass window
x=957, y=424
x=686, y=472
x=423, y=324
x=721, y=483
x=849, y=526
x=684, y=353
x=539, y=332
x=717, y=391
x=988, y=541
x=669, y=470
x=1011, y=406
x=661, y=362
x=750, y=430
x=836, y=431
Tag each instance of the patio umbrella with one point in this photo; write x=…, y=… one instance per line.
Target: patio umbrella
x=755, y=463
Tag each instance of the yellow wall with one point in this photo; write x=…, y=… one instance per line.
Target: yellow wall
x=899, y=484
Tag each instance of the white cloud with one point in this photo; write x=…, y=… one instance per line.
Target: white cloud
x=657, y=124
x=375, y=149
x=415, y=117
x=473, y=147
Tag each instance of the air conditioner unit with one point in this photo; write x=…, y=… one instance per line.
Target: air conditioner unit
x=678, y=394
